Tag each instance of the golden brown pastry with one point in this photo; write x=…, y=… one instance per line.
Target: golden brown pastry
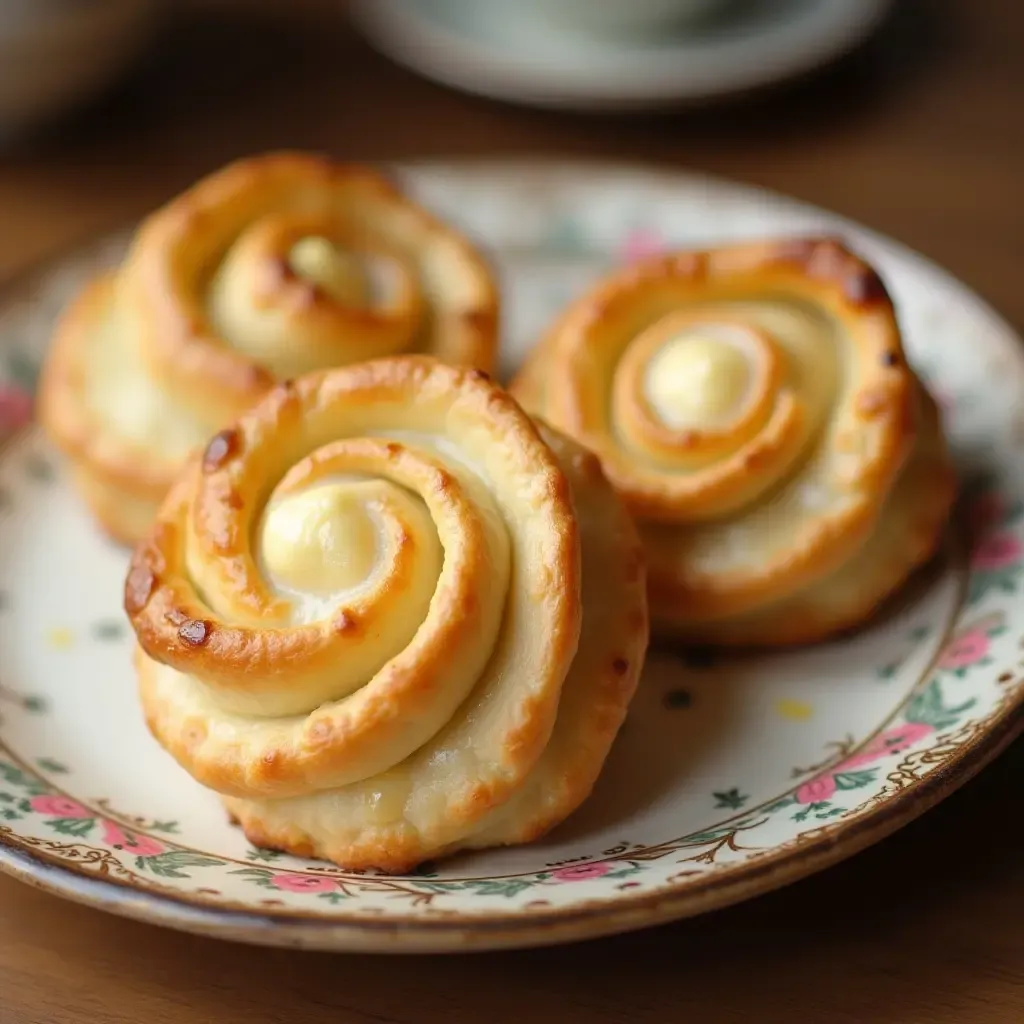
x=754, y=407
x=388, y=617
x=272, y=267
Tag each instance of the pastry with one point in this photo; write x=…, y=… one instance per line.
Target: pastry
x=754, y=406
x=273, y=267
x=388, y=617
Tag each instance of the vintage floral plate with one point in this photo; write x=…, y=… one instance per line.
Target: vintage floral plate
x=732, y=776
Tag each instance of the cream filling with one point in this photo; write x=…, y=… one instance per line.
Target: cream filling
x=339, y=274
x=701, y=378
x=336, y=543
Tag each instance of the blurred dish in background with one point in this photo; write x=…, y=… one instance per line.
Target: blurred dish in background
x=604, y=16
x=614, y=54
x=59, y=54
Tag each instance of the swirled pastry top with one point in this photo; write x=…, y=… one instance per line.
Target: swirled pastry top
x=359, y=610
x=752, y=404
x=272, y=267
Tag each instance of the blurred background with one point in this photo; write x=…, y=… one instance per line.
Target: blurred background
x=905, y=114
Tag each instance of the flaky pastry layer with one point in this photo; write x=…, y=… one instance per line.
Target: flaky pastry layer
x=754, y=407
x=272, y=267
x=387, y=617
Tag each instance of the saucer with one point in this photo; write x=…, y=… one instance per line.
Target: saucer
x=733, y=774
x=508, y=54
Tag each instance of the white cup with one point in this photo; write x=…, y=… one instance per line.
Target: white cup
x=616, y=16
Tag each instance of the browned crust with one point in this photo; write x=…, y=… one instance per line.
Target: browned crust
x=231, y=652
x=162, y=601
x=824, y=272
x=163, y=264
x=613, y=552
x=612, y=648
x=803, y=617
x=121, y=484
x=590, y=332
x=163, y=279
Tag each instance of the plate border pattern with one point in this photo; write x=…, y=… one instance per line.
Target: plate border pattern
x=922, y=778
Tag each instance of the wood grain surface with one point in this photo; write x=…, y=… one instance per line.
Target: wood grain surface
x=921, y=135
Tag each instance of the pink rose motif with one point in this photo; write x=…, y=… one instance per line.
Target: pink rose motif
x=997, y=551
x=641, y=244
x=301, y=883
x=892, y=741
x=141, y=846
x=15, y=409
x=581, y=872
x=817, y=790
x=59, y=807
x=986, y=511
x=967, y=649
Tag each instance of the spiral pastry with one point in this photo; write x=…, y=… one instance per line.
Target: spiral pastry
x=387, y=617
x=754, y=407
x=273, y=267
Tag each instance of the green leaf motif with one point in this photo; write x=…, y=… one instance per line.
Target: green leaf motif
x=29, y=784
x=35, y=705
x=506, y=887
x=72, y=826
x=624, y=872
x=566, y=236
x=886, y=672
x=169, y=827
x=258, y=876
x=107, y=630
x=818, y=805
x=39, y=469
x=335, y=897
x=1006, y=581
x=13, y=776
x=266, y=855
x=170, y=864
x=834, y=813
x=919, y=633
x=47, y=764
x=854, y=780
x=730, y=799
x=443, y=887
x=964, y=669
x=928, y=708
x=22, y=370
x=8, y=815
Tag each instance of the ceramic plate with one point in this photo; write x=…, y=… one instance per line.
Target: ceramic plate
x=732, y=776
x=502, y=51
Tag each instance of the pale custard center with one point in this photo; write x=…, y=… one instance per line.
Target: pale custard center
x=338, y=274
x=697, y=379
x=322, y=540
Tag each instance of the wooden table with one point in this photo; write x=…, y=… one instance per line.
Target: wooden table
x=919, y=135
